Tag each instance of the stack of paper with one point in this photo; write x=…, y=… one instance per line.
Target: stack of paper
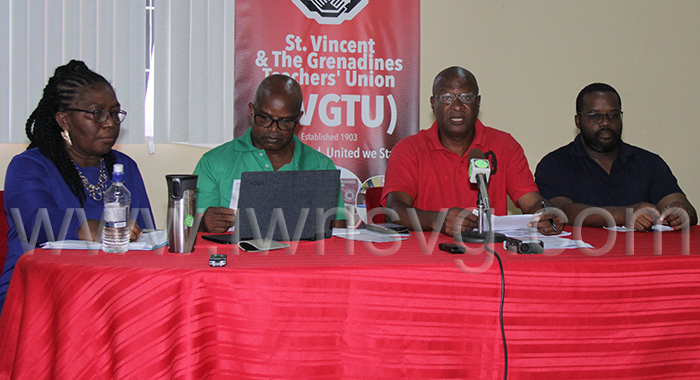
x=365, y=235
x=147, y=242
x=655, y=228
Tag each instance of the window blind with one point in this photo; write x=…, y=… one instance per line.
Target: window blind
x=193, y=71
x=38, y=36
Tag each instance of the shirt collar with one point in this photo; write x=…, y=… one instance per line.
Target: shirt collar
x=625, y=151
x=577, y=149
x=245, y=144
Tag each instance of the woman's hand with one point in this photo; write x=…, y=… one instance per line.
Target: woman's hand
x=135, y=230
x=90, y=230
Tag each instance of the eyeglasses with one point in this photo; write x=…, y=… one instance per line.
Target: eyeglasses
x=597, y=118
x=101, y=116
x=450, y=98
x=284, y=124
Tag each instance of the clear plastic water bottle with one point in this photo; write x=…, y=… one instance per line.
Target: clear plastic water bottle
x=115, y=235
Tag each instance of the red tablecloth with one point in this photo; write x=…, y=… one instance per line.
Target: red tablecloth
x=345, y=312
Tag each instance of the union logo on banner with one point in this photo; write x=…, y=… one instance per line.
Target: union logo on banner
x=330, y=12
x=357, y=62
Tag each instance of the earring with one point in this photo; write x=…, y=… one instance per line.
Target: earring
x=66, y=137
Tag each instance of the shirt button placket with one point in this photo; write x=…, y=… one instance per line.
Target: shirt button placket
x=262, y=159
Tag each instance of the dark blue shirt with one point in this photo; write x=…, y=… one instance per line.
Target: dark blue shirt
x=33, y=185
x=637, y=175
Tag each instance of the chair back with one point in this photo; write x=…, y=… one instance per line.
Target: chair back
x=373, y=195
x=3, y=230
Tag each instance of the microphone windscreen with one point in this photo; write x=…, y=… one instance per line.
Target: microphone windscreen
x=475, y=153
x=478, y=164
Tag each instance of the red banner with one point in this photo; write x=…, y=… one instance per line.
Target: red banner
x=358, y=65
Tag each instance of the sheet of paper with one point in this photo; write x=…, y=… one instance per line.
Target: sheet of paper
x=553, y=242
x=364, y=235
x=510, y=222
x=147, y=242
x=517, y=225
x=235, y=191
x=656, y=227
x=525, y=233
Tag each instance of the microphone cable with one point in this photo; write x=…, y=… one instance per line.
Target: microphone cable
x=500, y=311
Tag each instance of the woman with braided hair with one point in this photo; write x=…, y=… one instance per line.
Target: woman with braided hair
x=53, y=190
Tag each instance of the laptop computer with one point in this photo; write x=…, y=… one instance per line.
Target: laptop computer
x=285, y=206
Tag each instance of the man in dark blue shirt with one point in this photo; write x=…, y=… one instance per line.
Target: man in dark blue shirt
x=598, y=169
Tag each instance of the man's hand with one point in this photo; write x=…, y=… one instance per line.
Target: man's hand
x=545, y=224
x=646, y=219
x=468, y=223
x=218, y=219
x=676, y=215
x=532, y=203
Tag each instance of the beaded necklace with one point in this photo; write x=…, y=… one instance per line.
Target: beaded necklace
x=95, y=191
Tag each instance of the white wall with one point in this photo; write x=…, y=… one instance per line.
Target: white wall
x=531, y=59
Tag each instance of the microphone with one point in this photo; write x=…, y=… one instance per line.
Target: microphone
x=479, y=173
x=478, y=164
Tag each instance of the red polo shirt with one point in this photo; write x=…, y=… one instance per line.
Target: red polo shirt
x=436, y=178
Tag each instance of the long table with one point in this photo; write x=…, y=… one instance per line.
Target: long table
x=338, y=309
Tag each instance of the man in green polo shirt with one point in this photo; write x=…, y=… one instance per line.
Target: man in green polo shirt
x=269, y=144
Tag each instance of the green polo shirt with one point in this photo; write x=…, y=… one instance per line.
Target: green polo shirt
x=217, y=169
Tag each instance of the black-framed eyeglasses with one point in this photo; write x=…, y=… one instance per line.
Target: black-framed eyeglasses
x=449, y=98
x=283, y=123
x=101, y=116
x=597, y=118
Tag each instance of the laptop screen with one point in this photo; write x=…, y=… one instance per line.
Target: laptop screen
x=287, y=205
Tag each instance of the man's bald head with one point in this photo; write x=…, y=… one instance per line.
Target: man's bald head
x=279, y=86
x=454, y=72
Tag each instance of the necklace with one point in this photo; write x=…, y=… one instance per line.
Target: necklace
x=95, y=191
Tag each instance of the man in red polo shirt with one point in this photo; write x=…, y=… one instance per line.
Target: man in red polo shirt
x=429, y=171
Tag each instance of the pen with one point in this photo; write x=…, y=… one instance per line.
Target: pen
x=554, y=226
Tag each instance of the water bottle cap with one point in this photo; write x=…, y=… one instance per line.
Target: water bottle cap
x=118, y=173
